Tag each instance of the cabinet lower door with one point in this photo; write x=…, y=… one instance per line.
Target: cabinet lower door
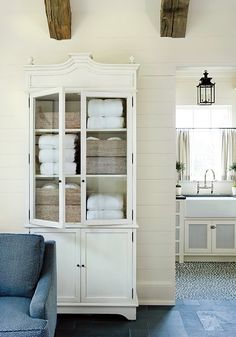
x=224, y=237
x=197, y=237
x=68, y=256
x=106, y=259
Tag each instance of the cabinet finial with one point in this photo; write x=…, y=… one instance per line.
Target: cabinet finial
x=132, y=60
x=30, y=60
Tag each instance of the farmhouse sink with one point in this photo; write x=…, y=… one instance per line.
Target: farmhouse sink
x=210, y=206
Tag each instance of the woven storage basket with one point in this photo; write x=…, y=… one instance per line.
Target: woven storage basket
x=49, y=120
x=73, y=213
x=73, y=196
x=51, y=213
x=51, y=196
x=47, y=196
x=47, y=212
x=106, y=165
x=106, y=148
x=72, y=120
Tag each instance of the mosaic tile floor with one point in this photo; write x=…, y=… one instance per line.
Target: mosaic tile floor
x=206, y=280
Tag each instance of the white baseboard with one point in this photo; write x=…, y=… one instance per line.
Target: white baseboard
x=156, y=293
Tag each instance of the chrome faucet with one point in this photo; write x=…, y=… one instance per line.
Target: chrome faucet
x=205, y=186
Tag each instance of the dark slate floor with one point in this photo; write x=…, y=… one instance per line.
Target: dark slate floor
x=189, y=318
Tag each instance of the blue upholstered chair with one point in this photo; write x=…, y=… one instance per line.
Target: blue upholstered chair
x=27, y=286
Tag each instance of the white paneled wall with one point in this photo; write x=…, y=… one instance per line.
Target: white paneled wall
x=155, y=197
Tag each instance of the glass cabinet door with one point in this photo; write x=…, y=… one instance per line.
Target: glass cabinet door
x=45, y=182
x=108, y=158
x=72, y=158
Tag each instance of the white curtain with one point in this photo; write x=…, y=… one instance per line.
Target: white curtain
x=228, y=153
x=183, y=151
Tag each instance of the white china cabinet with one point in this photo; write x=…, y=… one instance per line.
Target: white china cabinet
x=83, y=179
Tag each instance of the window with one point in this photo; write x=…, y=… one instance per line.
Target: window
x=204, y=124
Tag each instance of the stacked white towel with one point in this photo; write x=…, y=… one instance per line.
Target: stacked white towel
x=105, y=107
x=105, y=206
x=105, y=114
x=49, y=154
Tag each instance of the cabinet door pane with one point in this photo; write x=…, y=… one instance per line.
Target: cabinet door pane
x=106, y=198
x=108, y=158
x=46, y=158
x=198, y=234
x=46, y=112
x=72, y=111
x=72, y=200
x=225, y=236
x=47, y=199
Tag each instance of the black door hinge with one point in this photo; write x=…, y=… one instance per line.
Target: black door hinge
x=29, y=102
x=132, y=236
x=29, y=158
x=132, y=214
x=132, y=101
x=29, y=214
x=132, y=158
x=132, y=292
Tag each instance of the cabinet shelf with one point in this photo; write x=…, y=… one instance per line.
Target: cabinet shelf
x=46, y=130
x=107, y=130
x=107, y=175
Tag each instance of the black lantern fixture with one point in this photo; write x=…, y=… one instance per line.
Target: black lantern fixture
x=205, y=90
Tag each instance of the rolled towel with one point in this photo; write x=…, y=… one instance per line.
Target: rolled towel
x=52, y=155
x=69, y=168
x=99, y=201
x=48, y=141
x=105, y=122
x=105, y=107
x=53, y=168
x=52, y=141
x=47, y=169
x=111, y=214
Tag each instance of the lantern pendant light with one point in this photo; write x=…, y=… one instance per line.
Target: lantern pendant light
x=205, y=90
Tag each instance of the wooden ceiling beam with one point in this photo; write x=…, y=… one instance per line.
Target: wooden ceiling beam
x=174, y=14
x=59, y=18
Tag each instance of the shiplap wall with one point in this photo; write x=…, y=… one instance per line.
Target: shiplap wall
x=155, y=194
x=112, y=31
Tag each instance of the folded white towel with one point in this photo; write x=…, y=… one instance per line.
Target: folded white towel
x=50, y=186
x=99, y=201
x=105, y=122
x=52, y=155
x=111, y=214
x=72, y=186
x=52, y=141
x=53, y=168
x=92, y=138
x=105, y=107
x=114, y=138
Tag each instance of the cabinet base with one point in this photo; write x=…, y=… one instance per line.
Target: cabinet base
x=126, y=311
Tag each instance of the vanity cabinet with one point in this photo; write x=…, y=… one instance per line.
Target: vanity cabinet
x=82, y=164
x=206, y=237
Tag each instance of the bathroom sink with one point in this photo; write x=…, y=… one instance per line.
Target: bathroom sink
x=208, y=195
x=210, y=206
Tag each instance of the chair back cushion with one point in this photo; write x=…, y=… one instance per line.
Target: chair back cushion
x=21, y=259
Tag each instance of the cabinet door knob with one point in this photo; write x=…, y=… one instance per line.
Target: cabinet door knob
x=78, y=265
x=83, y=266
x=213, y=227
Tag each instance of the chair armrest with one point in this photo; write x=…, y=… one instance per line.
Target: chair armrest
x=44, y=298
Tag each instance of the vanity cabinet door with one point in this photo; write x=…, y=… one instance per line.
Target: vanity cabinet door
x=224, y=237
x=197, y=237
